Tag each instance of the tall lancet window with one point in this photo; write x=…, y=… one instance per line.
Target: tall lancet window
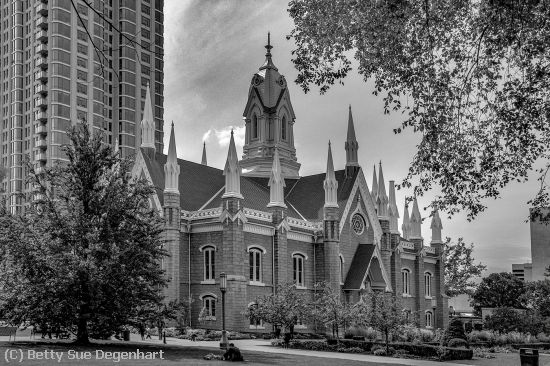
x=254, y=127
x=283, y=128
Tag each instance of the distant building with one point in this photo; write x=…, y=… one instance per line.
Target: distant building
x=540, y=246
x=523, y=271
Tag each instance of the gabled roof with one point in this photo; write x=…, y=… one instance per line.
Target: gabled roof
x=199, y=183
x=359, y=266
x=307, y=195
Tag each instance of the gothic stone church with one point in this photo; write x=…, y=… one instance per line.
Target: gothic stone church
x=263, y=224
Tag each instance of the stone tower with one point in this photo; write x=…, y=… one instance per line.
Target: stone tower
x=269, y=121
x=171, y=210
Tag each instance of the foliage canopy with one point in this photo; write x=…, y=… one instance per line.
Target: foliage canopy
x=472, y=77
x=85, y=255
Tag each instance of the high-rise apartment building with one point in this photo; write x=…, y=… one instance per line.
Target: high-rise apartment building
x=62, y=61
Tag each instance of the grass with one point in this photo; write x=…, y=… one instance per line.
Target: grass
x=173, y=355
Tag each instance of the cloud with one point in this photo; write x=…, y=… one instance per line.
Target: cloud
x=206, y=135
x=224, y=135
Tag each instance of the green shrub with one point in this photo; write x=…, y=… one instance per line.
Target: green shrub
x=369, y=333
x=458, y=343
x=454, y=330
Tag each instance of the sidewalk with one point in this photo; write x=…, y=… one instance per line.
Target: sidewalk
x=261, y=345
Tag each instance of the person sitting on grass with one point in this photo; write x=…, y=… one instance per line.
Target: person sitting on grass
x=233, y=353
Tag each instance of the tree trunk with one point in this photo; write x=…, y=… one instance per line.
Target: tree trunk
x=82, y=330
x=387, y=344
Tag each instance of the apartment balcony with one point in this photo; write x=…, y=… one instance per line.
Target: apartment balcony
x=40, y=116
x=41, y=75
x=41, y=62
x=42, y=8
x=42, y=49
x=42, y=23
x=41, y=102
x=41, y=129
x=41, y=156
x=41, y=89
x=42, y=36
x=42, y=144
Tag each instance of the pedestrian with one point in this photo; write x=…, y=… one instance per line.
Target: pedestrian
x=147, y=333
x=233, y=354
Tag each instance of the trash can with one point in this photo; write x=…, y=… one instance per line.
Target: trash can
x=529, y=356
x=126, y=335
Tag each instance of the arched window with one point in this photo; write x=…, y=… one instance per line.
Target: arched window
x=254, y=126
x=429, y=319
x=428, y=284
x=298, y=270
x=209, y=307
x=255, y=263
x=209, y=254
x=341, y=269
x=283, y=128
x=406, y=279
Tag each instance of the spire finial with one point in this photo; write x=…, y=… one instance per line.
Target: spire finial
x=330, y=184
x=268, y=46
x=171, y=168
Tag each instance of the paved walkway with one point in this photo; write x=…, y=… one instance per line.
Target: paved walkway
x=261, y=345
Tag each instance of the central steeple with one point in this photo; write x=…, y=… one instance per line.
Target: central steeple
x=269, y=121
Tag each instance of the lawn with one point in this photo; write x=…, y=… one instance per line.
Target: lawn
x=173, y=355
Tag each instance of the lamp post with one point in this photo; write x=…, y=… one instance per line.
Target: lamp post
x=223, y=288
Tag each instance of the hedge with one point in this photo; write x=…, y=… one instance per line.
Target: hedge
x=422, y=350
x=538, y=345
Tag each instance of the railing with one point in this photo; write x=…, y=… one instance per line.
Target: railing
x=306, y=225
x=258, y=215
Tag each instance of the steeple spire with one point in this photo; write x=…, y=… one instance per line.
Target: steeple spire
x=393, y=212
x=276, y=183
x=351, y=146
x=148, y=124
x=406, y=226
x=382, y=197
x=374, y=191
x=171, y=168
x=232, y=172
x=268, y=64
x=203, y=161
x=436, y=227
x=416, y=222
x=330, y=184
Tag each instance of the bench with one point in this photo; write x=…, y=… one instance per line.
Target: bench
x=8, y=331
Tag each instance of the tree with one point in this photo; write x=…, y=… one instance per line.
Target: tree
x=382, y=311
x=498, y=290
x=454, y=330
x=281, y=309
x=537, y=296
x=460, y=269
x=161, y=313
x=330, y=310
x=86, y=253
x=471, y=77
x=504, y=320
x=547, y=272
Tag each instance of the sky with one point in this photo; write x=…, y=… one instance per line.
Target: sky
x=212, y=50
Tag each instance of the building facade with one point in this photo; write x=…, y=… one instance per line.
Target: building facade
x=263, y=224
x=540, y=245
x=64, y=61
x=523, y=271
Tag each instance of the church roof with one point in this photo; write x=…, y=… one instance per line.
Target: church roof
x=359, y=266
x=198, y=184
x=307, y=195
